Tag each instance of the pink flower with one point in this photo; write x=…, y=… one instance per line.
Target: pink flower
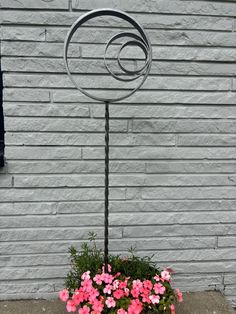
x=115, y=284
x=154, y=299
x=78, y=297
x=98, y=279
x=86, y=275
x=70, y=306
x=126, y=291
x=84, y=310
x=118, y=294
x=159, y=288
x=108, y=268
x=172, y=307
x=108, y=289
x=137, y=284
x=107, y=278
x=165, y=275
x=110, y=302
x=64, y=295
x=123, y=284
x=157, y=278
x=87, y=285
x=147, y=284
x=135, y=307
x=93, y=294
x=121, y=311
x=179, y=295
x=135, y=293
x=97, y=306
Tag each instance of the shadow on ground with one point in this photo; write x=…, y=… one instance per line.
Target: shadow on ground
x=194, y=303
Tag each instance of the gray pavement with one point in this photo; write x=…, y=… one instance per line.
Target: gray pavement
x=194, y=303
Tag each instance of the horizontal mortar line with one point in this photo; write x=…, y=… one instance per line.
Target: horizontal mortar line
x=151, y=13
x=111, y=240
x=105, y=74
x=95, y=201
x=94, y=213
x=36, y=9
x=113, y=146
x=127, y=118
x=82, y=228
x=121, y=132
x=124, y=250
x=119, y=174
x=79, y=10
x=66, y=254
x=27, y=57
x=104, y=43
x=122, y=173
x=233, y=184
x=120, y=226
x=161, y=45
x=105, y=27
x=119, y=89
x=179, y=161
x=119, y=200
x=217, y=75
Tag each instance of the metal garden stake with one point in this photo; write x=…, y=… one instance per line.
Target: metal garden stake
x=135, y=39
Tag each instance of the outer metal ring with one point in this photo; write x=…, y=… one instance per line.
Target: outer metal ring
x=141, y=40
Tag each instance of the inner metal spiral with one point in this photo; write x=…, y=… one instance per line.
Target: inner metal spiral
x=139, y=40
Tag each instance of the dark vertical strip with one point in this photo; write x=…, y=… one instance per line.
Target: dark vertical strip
x=106, y=213
x=1, y=121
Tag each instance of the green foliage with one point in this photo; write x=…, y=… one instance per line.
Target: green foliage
x=91, y=258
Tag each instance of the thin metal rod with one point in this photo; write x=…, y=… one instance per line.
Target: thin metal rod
x=106, y=213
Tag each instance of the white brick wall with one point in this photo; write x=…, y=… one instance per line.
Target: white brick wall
x=173, y=145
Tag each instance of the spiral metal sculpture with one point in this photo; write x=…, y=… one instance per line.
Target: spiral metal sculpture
x=139, y=40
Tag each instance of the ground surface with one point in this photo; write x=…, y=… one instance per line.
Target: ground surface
x=194, y=303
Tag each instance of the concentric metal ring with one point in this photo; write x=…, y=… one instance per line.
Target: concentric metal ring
x=139, y=40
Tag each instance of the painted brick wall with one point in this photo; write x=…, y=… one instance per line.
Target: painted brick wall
x=173, y=168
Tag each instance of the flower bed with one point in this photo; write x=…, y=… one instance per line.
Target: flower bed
x=131, y=285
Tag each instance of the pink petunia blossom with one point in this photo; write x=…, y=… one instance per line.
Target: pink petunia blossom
x=126, y=291
x=70, y=306
x=115, y=284
x=108, y=289
x=135, y=307
x=118, y=294
x=137, y=284
x=87, y=285
x=135, y=293
x=123, y=284
x=93, y=294
x=86, y=275
x=179, y=295
x=110, y=302
x=157, y=278
x=64, y=295
x=159, y=288
x=121, y=311
x=147, y=284
x=97, y=306
x=98, y=279
x=107, y=278
x=84, y=310
x=79, y=296
x=165, y=275
x=154, y=299
x=172, y=307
